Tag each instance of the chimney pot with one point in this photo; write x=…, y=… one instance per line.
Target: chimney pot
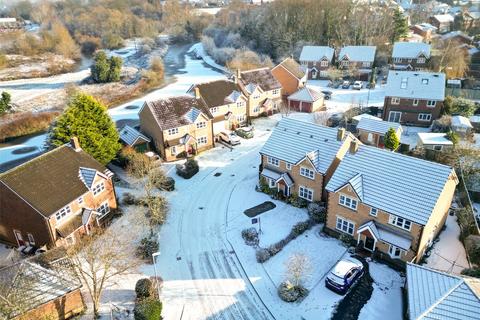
x=197, y=93
x=239, y=74
x=354, y=146
x=340, y=134
x=75, y=144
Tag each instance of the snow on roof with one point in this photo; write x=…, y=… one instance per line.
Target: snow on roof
x=456, y=33
x=443, y=18
x=316, y=53
x=437, y=295
x=129, y=135
x=365, y=115
x=434, y=138
x=475, y=119
x=415, y=84
x=461, y=121
x=7, y=20
x=377, y=126
x=410, y=50
x=405, y=186
x=426, y=27
x=306, y=94
x=292, y=140
x=358, y=53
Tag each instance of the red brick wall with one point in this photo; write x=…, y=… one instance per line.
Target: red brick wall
x=410, y=112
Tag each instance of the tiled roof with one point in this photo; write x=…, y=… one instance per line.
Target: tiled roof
x=401, y=185
x=377, y=126
x=358, y=53
x=51, y=180
x=415, y=85
x=130, y=136
x=292, y=140
x=176, y=111
x=306, y=94
x=215, y=93
x=436, y=295
x=316, y=53
x=410, y=50
x=262, y=77
x=293, y=67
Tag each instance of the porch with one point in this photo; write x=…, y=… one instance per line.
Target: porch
x=282, y=181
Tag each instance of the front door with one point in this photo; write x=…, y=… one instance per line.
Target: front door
x=19, y=238
x=287, y=191
x=369, y=244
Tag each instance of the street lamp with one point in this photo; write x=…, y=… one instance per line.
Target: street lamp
x=155, y=270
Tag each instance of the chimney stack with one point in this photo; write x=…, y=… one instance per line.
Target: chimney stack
x=340, y=134
x=354, y=146
x=75, y=144
x=197, y=93
x=239, y=74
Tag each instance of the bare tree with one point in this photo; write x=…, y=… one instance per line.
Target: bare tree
x=298, y=267
x=451, y=58
x=321, y=118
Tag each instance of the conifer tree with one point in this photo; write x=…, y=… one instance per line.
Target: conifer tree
x=400, y=26
x=391, y=140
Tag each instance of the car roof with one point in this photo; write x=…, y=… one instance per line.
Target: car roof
x=345, y=265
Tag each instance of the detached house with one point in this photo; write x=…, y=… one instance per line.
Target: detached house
x=290, y=75
x=316, y=60
x=225, y=102
x=372, y=131
x=307, y=99
x=54, y=198
x=392, y=204
x=410, y=55
x=443, y=22
x=300, y=157
x=438, y=295
x=414, y=97
x=357, y=58
x=178, y=126
x=262, y=89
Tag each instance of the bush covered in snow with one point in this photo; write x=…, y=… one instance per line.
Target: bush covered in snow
x=262, y=255
x=290, y=293
x=148, y=246
x=148, y=309
x=317, y=211
x=296, y=201
x=347, y=239
x=300, y=228
x=144, y=288
x=250, y=236
x=188, y=169
x=129, y=199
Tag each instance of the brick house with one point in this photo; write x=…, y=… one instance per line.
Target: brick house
x=262, y=89
x=425, y=30
x=54, y=198
x=300, y=157
x=389, y=203
x=372, y=131
x=443, y=22
x=179, y=126
x=357, y=61
x=414, y=97
x=307, y=99
x=31, y=290
x=225, y=102
x=317, y=60
x=410, y=55
x=290, y=75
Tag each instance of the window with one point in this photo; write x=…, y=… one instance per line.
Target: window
x=257, y=96
x=98, y=188
x=201, y=125
x=304, y=63
x=421, y=60
x=373, y=212
x=424, y=81
x=273, y=161
x=103, y=209
x=80, y=200
x=394, y=116
x=348, y=202
x=256, y=109
x=240, y=104
x=310, y=174
x=415, y=102
x=31, y=240
x=314, y=73
x=345, y=226
x=403, y=84
x=431, y=103
x=289, y=166
x=366, y=64
x=214, y=110
x=202, y=141
x=424, y=116
x=241, y=118
x=345, y=64
x=400, y=222
x=275, y=92
x=305, y=193
x=324, y=63
x=271, y=183
x=437, y=148
x=395, y=252
x=323, y=74
x=173, y=150
x=395, y=100
x=70, y=240
x=397, y=60
x=62, y=213
x=172, y=131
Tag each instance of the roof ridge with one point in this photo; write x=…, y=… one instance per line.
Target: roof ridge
x=257, y=69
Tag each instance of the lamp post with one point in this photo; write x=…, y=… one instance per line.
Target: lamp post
x=155, y=271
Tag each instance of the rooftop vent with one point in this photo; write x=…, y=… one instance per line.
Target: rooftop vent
x=298, y=132
x=435, y=75
x=311, y=136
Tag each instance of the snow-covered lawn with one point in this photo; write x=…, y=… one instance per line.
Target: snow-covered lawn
x=448, y=254
x=386, y=298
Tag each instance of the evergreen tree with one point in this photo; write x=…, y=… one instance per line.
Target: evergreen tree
x=115, y=66
x=391, y=140
x=88, y=120
x=5, y=102
x=100, y=68
x=400, y=26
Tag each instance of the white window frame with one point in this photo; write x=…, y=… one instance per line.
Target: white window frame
x=241, y=118
x=415, y=102
x=392, y=250
x=314, y=73
x=345, y=63
x=31, y=239
x=201, y=125
x=256, y=109
x=395, y=100
x=275, y=91
x=344, y=225
x=273, y=161
x=347, y=202
x=80, y=200
x=202, y=140
x=103, y=209
x=397, y=60
x=214, y=109
x=257, y=96
x=425, y=81
x=424, y=117
x=394, y=112
x=63, y=213
x=240, y=104
x=421, y=60
x=307, y=173
x=431, y=103
x=366, y=64
x=98, y=188
x=400, y=222
x=324, y=63
x=305, y=193
x=172, y=131
x=271, y=183
x=437, y=147
x=373, y=212
x=288, y=165
x=404, y=83
x=173, y=150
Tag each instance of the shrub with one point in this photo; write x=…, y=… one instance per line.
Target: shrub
x=472, y=272
x=250, y=236
x=262, y=255
x=20, y=124
x=188, y=169
x=467, y=223
x=129, y=199
x=167, y=184
x=148, y=309
x=148, y=246
x=317, y=212
x=290, y=293
x=347, y=239
x=300, y=228
x=452, y=136
x=276, y=247
x=472, y=246
x=144, y=288
x=296, y=201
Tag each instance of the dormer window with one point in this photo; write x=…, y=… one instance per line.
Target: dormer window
x=404, y=83
x=421, y=60
x=425, y=81
x=324, y=63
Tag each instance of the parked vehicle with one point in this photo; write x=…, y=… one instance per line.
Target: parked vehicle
x=230, y=138
x=245, y=132
x=357, y=85
x=345, y=273
x=370, y=85
x=336, y=84
x=335, y=119
x=327, y=94
x=346, y=84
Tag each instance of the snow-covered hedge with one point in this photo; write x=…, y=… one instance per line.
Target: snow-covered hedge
x=250, y=236
x=290, y=293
